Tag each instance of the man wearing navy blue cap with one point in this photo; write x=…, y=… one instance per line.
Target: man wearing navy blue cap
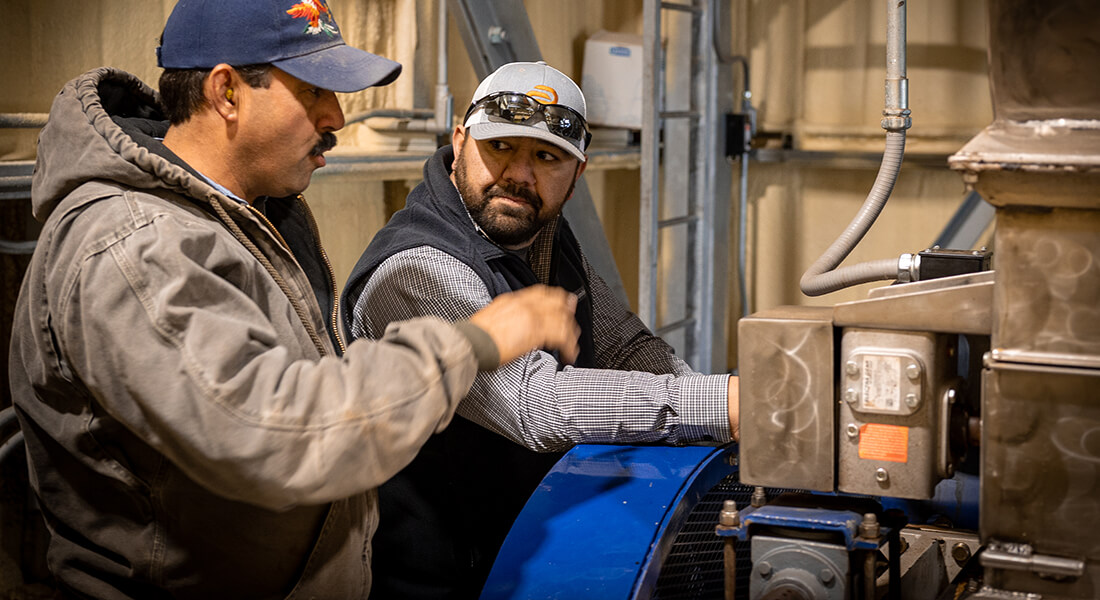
x=195, y=426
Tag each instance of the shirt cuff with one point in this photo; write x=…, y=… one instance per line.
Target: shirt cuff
x=485, y=349
x=704, y=408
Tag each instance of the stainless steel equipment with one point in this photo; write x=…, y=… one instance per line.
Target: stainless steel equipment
x=887, y=396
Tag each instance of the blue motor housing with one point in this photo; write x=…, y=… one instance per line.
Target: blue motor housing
x=640, y=522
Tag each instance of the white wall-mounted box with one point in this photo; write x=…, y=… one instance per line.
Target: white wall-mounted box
x=611, y=79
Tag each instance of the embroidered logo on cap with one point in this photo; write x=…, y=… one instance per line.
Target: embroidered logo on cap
x=317, y=15
x=544, y=94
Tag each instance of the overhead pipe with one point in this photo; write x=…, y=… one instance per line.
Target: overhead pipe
x=823, y=277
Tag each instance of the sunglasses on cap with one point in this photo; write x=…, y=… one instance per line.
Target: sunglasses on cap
x=521, y=109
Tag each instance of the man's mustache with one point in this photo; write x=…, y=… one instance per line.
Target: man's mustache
x=328, y=141
x=507, y=189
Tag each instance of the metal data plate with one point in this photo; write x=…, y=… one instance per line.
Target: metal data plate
x=884, y=382
x=785, y=363
x=890, y=407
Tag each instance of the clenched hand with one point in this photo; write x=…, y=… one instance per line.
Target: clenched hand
x=538, y=316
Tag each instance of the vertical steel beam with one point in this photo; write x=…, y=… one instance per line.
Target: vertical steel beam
x=652, y=97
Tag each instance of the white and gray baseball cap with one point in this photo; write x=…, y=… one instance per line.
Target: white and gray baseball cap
x=551, y=88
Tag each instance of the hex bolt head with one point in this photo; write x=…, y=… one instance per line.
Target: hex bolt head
x=912, y=371
x=759, y=497
x=961, y=553
x=729, y=517
x=826, y=576
x=911, y=400
x=851, y=395
x=881, y=475
x=852, y=430
x=869, y=527
x=764, y=569
x=851, y=367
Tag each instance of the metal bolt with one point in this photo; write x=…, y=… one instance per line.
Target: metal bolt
x=851, y=367
x=733, y=460
x=881, y=475
x=826, y=576
x=851, y=395
x=729, y=517
x=961, y=553
x=759, y=497
x=911, y=400
x=912, y=371
x=853, y=430
x=764, y=569
x=869, y=528
x=497, y=34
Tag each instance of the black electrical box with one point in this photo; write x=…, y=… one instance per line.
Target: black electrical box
x=735, y=134
x=936, y=262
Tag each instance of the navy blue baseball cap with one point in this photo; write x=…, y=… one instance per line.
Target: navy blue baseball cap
x=297, y=36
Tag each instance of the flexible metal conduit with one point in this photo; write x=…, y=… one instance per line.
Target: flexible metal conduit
x=823, y=277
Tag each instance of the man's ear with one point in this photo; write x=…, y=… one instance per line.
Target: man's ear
x=222, y=90
x=458, y=138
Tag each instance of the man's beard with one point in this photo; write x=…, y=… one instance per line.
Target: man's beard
x=505, y=225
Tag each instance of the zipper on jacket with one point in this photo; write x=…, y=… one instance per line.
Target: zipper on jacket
x=271, y=226
x=316, y=236
x=331, y=276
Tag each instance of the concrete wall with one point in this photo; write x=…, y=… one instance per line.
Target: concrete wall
x=817, y=77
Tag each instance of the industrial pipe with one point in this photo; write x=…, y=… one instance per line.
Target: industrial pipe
x=434, y=121
x=23, y=120
x=823, y=277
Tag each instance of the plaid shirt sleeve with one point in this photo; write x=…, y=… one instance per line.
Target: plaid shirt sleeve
x=644, y=394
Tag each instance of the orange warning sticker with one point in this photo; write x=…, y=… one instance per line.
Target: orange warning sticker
x=884, y=442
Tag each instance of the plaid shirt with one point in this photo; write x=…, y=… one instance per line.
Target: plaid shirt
x=641, y=393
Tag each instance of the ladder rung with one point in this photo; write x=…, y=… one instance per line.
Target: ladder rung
x=680, y=114
x=679, y=6
x=681, y=324
x=678, y=221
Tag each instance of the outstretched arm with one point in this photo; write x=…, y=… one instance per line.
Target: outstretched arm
x=531, y=400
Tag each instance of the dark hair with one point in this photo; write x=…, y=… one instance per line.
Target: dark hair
x=181, y=89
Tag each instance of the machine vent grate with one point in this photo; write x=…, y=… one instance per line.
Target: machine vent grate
x=694, y=566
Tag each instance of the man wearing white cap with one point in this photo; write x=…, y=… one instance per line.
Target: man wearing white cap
x=194, y=426
x=487, y=220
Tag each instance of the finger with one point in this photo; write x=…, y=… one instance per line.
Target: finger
x=571, y=349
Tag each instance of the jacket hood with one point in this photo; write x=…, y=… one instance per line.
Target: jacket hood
x=104, y=125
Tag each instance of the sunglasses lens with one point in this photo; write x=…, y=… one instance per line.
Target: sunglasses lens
x=523, y=110
x=563, y=122
x=514, y=107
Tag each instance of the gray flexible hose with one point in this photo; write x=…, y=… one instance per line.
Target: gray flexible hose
x=821, y=278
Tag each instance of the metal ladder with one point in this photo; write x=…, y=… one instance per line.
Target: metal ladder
x=686, y=183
